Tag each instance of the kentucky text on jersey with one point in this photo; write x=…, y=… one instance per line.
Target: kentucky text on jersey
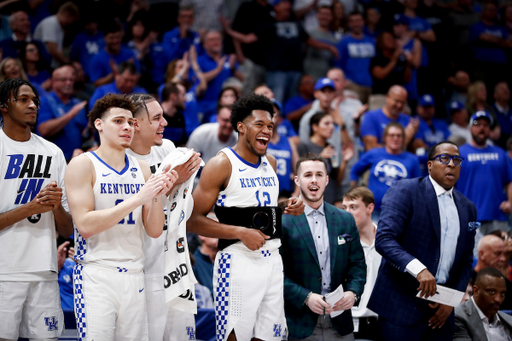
x=33, y=169
x=258, y=182
x=107, y=188
x=483, y=157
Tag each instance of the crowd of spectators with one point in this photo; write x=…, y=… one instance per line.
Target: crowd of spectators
x=368, y=84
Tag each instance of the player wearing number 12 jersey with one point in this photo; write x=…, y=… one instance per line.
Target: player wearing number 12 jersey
x=112, y=197
x=248, y=271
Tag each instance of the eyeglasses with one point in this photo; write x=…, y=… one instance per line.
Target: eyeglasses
x=445, y=159
x=64, y=79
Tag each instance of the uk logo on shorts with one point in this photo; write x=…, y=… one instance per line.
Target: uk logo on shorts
x=191, y=333
x=277, y=330
x=52, y=323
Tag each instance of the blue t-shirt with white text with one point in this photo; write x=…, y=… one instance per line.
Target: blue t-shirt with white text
x=484, y=174
x=385, y=169
x=374, y=123
x=355, y=57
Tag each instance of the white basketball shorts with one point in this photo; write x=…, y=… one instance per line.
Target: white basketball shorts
x=30, y=310
x=248, y=293
x=109, y=305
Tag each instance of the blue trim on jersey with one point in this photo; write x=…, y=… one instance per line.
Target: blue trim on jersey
x=124, y=169
x=245, y=161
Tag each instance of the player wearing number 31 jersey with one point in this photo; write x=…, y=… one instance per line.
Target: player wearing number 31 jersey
x=112, y=197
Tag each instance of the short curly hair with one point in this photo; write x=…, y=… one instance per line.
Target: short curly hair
x=244, y=107
x=104, y=104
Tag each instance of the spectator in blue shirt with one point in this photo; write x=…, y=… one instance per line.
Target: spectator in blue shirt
x=431, y=130
x=488, y=42
x=387, y=164
x=217, y=67
x=125, y=82
x=62, y=118
x=374, y=122
x=87, y=44
x=503, y=112
x=35, y=66
x=102, y=66
x=486, y=176
x=179, y=40
x=20, y=26
x=300, y=104
x=356, y=51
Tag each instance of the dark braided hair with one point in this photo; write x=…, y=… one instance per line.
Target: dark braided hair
x=244, y=107
x=104, y=104
x=140, y=101
x=11, y=87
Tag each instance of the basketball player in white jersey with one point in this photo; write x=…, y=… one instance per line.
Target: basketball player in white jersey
x=32, y=207
x=113, y=197
x=248, y=273
x=164, y=323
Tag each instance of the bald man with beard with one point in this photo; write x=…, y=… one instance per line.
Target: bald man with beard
x=491, y=253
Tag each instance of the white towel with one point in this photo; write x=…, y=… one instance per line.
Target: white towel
x=179, y=279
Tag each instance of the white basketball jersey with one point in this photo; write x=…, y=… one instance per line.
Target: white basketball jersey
x=119, y=247
x=28, y=248
x=154, y=247
x=250, y=185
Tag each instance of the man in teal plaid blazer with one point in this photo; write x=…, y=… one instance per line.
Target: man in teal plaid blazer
x=320, y=251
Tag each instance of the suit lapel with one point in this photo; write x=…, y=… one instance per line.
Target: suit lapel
x=332, y=231
x=301, y=222
x=474, y=320
x=433, y=207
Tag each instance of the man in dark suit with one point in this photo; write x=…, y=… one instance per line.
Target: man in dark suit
x=478, y=319
x=321, y=251
x=425, y=235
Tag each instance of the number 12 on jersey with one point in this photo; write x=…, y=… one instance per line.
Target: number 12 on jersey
x=265, y=196
x=130, y=220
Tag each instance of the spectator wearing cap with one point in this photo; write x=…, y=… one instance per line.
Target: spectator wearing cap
x=356, y=51
x=459, y=126
x=503, y=112
x=486, y=178
x=374, y=122
x=300, y=104
x=431, y=129
x=412, y=48
x=326, y=101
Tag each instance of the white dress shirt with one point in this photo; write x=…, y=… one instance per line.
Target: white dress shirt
x=318, y=227
x=496, y=330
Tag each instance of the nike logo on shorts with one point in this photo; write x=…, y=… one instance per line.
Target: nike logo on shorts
x=141, y=290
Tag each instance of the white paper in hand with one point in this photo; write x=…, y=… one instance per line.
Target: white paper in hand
x=333, y=297
x=446, y=296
